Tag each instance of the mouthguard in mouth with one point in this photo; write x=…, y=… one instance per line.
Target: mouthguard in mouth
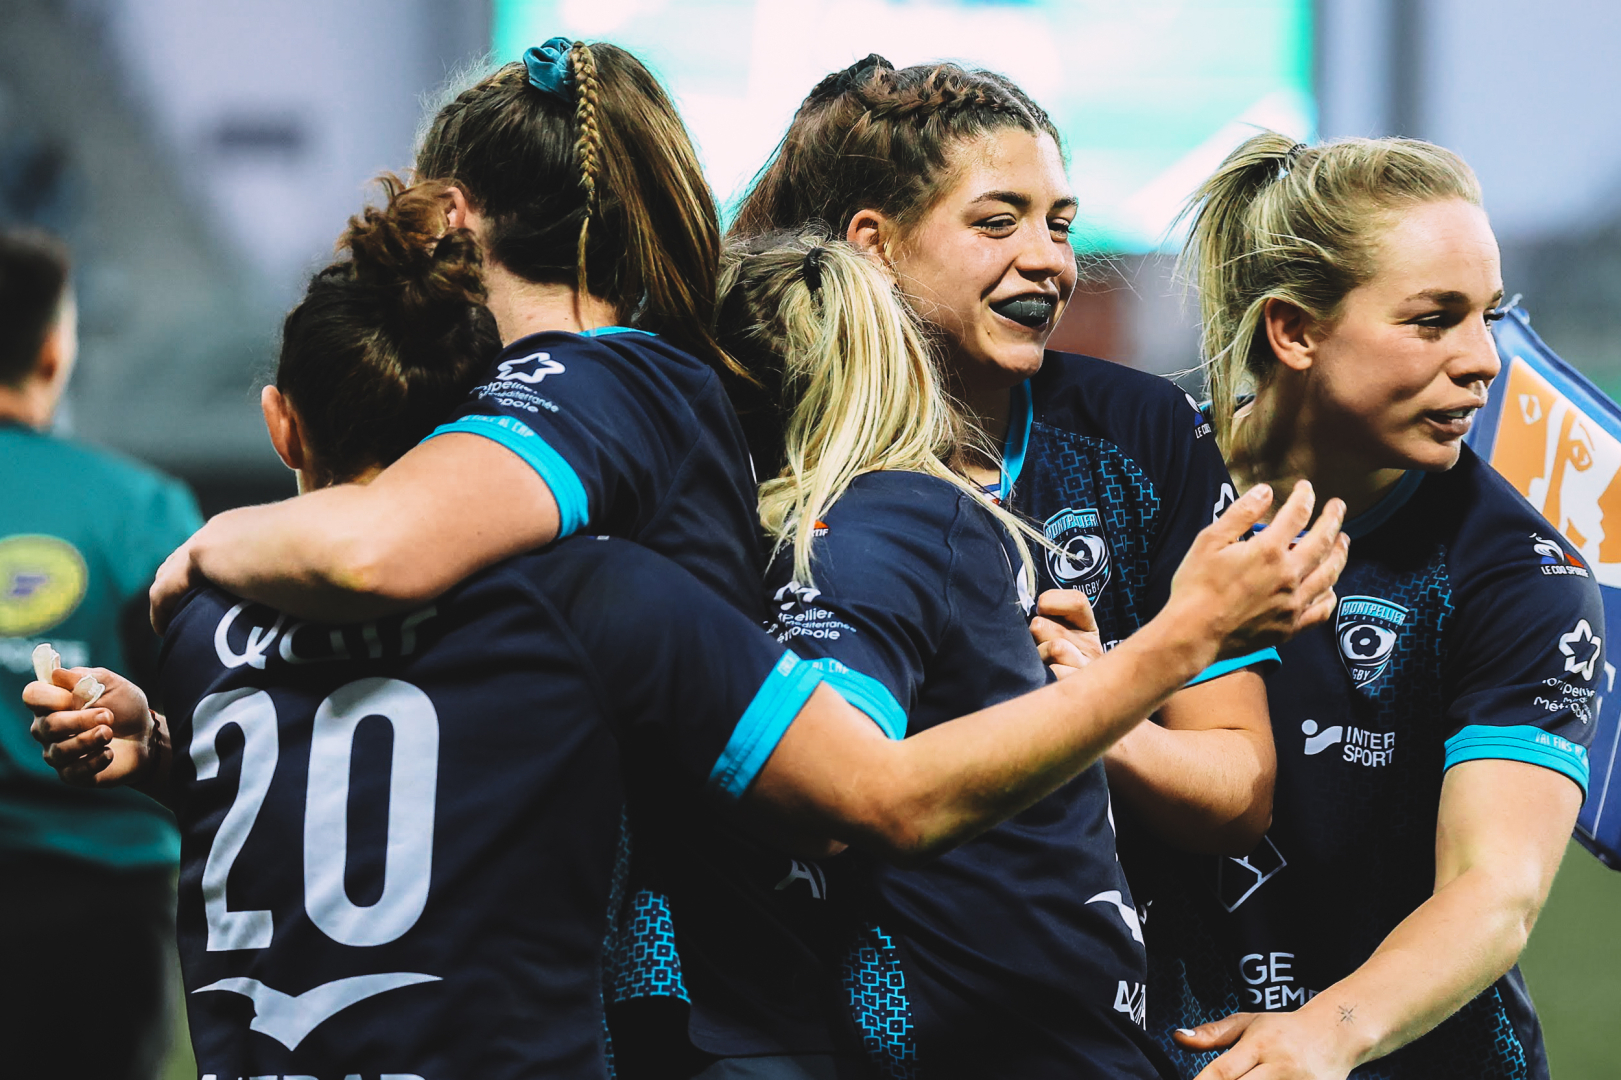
x=1026, y=310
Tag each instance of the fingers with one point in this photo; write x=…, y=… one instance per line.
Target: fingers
x=1061, y=651
x=47, y=698
x=1045, y=630
x=1241, y=516
x=56, y=727
x=1068, y=606
x=1237, y=1062
x=1217, y=1034
x=74, y=748
x=1318, y=543
x=1320, y=581
x=1290, y=520
x=172, y=582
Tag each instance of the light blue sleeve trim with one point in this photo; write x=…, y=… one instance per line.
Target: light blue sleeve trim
x=604, y=331
x=1227, y=667
x=865, y=693
x=526, y=442
x=1522, y=742
x=757, y=733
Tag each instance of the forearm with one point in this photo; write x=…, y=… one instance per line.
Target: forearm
x=1455, y=945
x=953, y=781
x=329, y=555
x=1207, y=791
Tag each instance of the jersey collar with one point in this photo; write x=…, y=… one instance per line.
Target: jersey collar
x=1383, y=510
x=1021, y=414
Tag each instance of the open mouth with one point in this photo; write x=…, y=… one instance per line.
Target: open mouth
x=1454, y=421
x=1031, y=311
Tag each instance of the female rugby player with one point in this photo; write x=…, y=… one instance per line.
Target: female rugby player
x=401, y=834
x=1431, y=740
x=603, y=412
x=956, y=179
x=1019, y=953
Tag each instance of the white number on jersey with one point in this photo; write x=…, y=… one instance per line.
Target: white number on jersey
x=413, y=782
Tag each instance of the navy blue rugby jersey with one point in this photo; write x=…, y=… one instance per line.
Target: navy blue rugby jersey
x=1121, y=471
x=1466, y=629
x=635, y=438
x=399, y=838
x=1018, y=954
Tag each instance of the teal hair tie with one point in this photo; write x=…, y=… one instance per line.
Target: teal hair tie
x=549, y=68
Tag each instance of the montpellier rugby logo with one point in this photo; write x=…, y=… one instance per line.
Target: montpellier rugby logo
x=1084, y=562
x=1366, y=628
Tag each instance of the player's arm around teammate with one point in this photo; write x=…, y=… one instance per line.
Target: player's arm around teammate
x=576, y=175
x=956, y=180
x=1368, y=349
x=834, y=774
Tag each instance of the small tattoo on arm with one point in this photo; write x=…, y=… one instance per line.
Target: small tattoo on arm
x=1347, y=1013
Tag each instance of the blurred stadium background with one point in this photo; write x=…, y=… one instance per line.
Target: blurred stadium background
x=200, y=158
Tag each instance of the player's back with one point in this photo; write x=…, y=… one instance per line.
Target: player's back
x=398, y=836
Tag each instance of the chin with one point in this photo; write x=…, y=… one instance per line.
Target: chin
x=1436, y=457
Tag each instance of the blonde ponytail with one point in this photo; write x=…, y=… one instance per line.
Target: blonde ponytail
x=1280, y=220
x=855, y=384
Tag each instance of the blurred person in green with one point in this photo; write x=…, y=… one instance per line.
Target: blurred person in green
x=81, y=534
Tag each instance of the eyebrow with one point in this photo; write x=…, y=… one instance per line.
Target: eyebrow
x=1448, y=296
x=1023, y=201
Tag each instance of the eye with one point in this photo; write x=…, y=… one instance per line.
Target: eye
x=1495, y=314
x=998, y=223
x=1437, y=320
x=1061, y=226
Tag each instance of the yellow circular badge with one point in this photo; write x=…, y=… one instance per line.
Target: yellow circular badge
x=42, y=580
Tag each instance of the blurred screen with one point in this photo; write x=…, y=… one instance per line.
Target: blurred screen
x=1150, y=94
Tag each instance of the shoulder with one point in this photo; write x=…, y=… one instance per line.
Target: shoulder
x=106, y=472
x=1111, y=396
x=1145, y=417
x=603, y=582
x=897, y=505
x=1497, y=543
x=547, y=355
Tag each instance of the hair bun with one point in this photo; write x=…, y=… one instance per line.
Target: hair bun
x=407, y=250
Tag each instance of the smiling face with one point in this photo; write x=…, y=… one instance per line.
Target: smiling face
x=989, y=265
x=1397, y=378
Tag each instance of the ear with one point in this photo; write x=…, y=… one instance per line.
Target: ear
x=460, y=213
x=869, y=231
x=282, y=423
x=52, y=354
x=1290, y=332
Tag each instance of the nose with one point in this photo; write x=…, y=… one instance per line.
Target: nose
x=1478, y=362
x=1041, y=257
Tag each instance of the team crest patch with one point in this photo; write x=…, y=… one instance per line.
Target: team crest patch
x=1084, y=562
x=1366, y=628
x=42, y=580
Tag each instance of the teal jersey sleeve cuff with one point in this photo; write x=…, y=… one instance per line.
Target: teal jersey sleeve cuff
x=761, y=727
x=865, y=693
x=526, y=442
x=1237, y=663
x=1532, y=745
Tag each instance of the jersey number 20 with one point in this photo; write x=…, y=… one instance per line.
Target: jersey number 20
x=413, y=781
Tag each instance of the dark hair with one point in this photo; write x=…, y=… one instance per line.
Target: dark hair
x=389, y=339
x=605, y=193
x=33, y=281
x=873, y=137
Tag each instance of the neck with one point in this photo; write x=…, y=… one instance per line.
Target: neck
x=1277, y=440
x=990, y=408
x=526, y=307
x=29, y=404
